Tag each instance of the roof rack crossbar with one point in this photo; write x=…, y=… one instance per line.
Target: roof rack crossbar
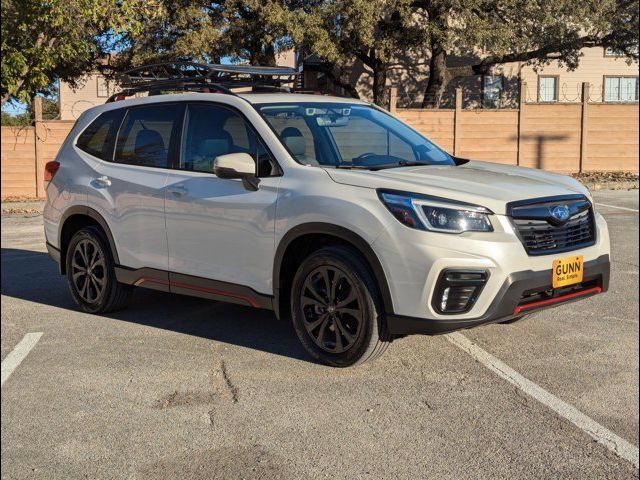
x=193, y=76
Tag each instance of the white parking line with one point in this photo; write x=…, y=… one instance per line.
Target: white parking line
x=19, y=352
x=617, y=445
x=615, y=206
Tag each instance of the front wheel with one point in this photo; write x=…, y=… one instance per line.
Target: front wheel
x=336, y=308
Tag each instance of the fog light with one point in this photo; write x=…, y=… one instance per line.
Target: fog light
x=457, y=290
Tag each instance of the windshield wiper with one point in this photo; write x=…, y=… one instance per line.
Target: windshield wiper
x=347, y=166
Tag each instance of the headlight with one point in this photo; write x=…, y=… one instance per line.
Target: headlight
x=423, y=212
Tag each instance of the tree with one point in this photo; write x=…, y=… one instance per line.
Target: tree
x=58, y=39
x=341, y=32
x=494, y=32
x=204, y=31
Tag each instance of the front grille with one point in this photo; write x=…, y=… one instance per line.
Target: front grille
x=540, y=236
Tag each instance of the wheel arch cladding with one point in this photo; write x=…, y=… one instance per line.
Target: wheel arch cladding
x=74, y=219
x=303, y=239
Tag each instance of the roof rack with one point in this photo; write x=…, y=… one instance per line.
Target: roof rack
x=199, y=77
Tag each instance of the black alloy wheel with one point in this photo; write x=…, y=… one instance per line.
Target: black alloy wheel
x=336, y=308
x=91, y=274
x=332, y=309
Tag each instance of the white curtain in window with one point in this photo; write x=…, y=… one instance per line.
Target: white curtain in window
x=629, y=89
x=612, y=89
x=548, y=87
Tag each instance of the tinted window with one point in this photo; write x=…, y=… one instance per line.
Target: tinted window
x=146, y=134
x=213, y=130
x=98, y=138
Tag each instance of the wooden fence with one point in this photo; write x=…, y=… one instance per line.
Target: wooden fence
x=26, y=150
x=563, y=137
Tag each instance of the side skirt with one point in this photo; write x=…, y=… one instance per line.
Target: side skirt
x=193, y=286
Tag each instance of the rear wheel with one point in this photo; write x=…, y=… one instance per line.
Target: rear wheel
x=336, y=308
x=91, y=274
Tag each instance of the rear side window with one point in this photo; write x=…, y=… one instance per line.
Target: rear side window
x=98, y=138
x=147, y=135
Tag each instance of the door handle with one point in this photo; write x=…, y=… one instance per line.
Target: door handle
x=103, y=181
x=178, y=190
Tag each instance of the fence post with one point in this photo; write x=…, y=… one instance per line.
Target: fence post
x=583, y=126
x=38, y=131
x=521, y=107
x=457, y=117
x=393, y=100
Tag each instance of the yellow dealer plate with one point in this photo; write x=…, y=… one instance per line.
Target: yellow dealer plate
x=567, y=271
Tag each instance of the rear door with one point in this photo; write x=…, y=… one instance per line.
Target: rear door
x=216, y=228
x=128, y=188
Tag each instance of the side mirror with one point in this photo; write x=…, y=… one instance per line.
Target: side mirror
x=237, y=165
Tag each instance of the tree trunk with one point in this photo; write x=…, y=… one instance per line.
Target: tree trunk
x=438, y=78
x=379, y=85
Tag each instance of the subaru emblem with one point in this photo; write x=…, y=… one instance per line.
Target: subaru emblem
x=560, y=213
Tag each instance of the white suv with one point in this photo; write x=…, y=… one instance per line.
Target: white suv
x=327, y=211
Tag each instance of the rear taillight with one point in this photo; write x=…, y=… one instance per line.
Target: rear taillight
x=50, y=170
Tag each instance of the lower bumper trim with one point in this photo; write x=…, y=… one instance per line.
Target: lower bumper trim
x=563, y=298
x=507, y=303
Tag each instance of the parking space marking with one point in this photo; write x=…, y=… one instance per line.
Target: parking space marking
x=600, y=434
x=18, y=354
x=615, y=206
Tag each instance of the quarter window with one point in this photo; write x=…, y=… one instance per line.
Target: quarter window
x=98, y=138
x=620, y=89
x=146, y=135
x=548, y=89
x=213, y=130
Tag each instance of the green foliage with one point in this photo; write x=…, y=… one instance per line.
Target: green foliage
x=20, y=120
x=58, y=39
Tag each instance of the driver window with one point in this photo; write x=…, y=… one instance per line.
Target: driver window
x=213, y=130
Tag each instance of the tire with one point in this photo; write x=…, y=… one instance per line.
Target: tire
x=99, y=292
x=336, y=308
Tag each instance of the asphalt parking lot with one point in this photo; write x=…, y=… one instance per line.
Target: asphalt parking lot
x=177, y=387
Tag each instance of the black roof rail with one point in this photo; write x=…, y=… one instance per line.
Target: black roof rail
x=200, y=77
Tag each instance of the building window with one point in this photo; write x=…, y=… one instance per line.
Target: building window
x=491, y=91
x=103, y=86
x=547, y=89
x=620, y=89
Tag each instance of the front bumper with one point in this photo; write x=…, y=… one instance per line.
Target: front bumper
x=509, y=302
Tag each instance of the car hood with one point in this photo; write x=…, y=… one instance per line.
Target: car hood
x=490, y=185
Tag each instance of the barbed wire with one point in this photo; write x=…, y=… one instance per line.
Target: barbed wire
x=475, y=98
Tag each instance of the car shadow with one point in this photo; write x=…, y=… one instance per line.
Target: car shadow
x=33, y=276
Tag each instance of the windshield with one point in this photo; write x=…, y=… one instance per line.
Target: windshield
x=344, y=135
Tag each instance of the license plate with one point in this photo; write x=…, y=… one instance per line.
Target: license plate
x=567, y=271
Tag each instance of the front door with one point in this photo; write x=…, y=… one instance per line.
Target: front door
x=216, y=228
